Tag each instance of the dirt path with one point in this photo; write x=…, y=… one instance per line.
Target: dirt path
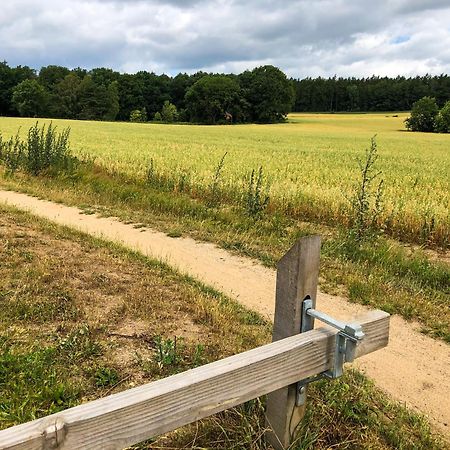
x=414, y=369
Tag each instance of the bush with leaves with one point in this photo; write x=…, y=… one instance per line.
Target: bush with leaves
x=138, y=115
x=157, y=117
x=423, y=115
x=443, y=119
x=43, y=149
x=169, y=112
x=30, y=99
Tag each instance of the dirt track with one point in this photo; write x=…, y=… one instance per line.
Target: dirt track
x=414, y=369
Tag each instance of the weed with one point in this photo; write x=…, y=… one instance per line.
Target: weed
x=79, y=344
x=256, y=199
x=366, y=203
x=43, y=149
x=105, y=376
x=152, y=177
x=214, y=188
x=11, y=153
x=168, y=352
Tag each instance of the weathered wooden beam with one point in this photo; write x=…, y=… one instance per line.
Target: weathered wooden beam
x=297, y=278
x=138, y=414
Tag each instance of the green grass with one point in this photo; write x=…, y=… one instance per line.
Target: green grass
x=310, y=164
x=117, y=330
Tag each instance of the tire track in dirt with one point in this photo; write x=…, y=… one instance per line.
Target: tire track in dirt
x=413, y=369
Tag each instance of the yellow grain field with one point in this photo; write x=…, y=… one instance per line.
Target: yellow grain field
x=310, y=162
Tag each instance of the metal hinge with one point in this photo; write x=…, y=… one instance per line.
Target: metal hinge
x=347, y=339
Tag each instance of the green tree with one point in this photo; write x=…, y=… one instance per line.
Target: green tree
x=9, y=78
x=65, y=101
x=50, y=76
x=423, y=115
x=443, y=119
x=104, y=76
x=131, y=95
x=212, y=97
x=30, y=99
x=112, y=101
x=269, y=93
x=97, y=101
x=169, y=112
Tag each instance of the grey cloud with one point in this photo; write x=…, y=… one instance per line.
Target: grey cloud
x=323, y=37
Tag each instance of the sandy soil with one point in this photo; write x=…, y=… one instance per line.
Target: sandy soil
x=413, y=369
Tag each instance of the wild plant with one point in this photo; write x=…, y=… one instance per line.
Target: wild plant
x=184, y=181
x=151, y=173
x=428, y=227
x=11, y=153
x=367, y=200
x=42, y=149
x=46, y=148
x=168, y=352
x=214, y=188
x=257, y=198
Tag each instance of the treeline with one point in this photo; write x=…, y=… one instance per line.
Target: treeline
x=368, y=94
x=263, y=95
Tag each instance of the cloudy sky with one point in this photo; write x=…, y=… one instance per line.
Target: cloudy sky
x=302, y=37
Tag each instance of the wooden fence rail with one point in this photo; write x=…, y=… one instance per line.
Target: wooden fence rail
x=137, y=414
x=132, y=416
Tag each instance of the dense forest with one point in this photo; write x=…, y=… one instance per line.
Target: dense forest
x=264, y=94
x=368, y=94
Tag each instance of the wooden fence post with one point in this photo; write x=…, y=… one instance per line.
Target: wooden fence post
x=297, y=277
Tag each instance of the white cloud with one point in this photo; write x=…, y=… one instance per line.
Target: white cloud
x=303, y=37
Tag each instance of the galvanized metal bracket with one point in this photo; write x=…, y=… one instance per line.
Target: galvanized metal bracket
x=347, y=339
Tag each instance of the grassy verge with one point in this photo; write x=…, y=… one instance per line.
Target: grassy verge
x=382, y=274
x=106, y=319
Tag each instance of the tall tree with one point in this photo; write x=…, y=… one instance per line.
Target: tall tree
x=30, y=99
x=9, y=79
x=212, y=97
x=131, y=95
x=98, y=102
x=423, y=115
x=50, y=76
x=269, y=93
x=65, y=102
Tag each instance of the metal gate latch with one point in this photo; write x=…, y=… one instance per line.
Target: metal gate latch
x=347, y=339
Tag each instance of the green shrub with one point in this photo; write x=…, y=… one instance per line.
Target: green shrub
x=42, y=149
x=11, y=153
x=443, y=119
x=157, y=117
x=138, y=115
x=169, y=112
x=423, y=115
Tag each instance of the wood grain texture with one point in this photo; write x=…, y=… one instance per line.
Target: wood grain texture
x=137, y=414
x=297, y=278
